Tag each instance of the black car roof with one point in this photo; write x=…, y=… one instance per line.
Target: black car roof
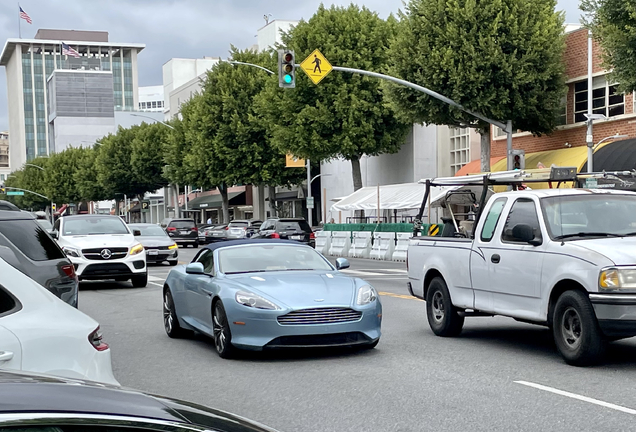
x=228, y=243
x=8, y=206
x=15, y=215
x=21, y=392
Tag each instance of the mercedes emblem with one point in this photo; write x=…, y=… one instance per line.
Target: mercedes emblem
x=106, y=254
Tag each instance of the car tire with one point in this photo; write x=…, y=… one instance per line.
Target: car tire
x=140, y=281
x=576, y=332
x=221, y=332
x=170, y=318
x=444, y=319
x=173, y=263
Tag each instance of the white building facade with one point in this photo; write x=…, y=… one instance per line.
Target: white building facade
x=181, y=79
x=151, y=98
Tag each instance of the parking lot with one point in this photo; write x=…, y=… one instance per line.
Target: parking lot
x=498, y=375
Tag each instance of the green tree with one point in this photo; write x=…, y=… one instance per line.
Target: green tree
x=345, y=115
x=88, y=187
x=500, y=58
x=147, y=158
x=32, y=179
x=228, y=139
x=613, y=24
x=59, y=176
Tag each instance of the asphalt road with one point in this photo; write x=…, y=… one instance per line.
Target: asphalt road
x=498, y=375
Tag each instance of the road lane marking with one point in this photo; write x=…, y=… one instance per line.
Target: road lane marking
x=157, y=284
x=578, y=397
x=155, y=278
x=402, y=296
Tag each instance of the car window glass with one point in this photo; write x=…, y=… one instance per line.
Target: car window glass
x=182, y=224
x=277, y=257
x=207, y=259
x=523, y=211
x=94, y=226
x=239, y=224
x=492, y=218
x=7, y=302
x=293, y=226
x=149, y=231
x=31, y=239
x=45, y=224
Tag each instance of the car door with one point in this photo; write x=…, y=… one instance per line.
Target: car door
x=481, y=257
x=10, y=348
x=199, y=292
x=515, y=266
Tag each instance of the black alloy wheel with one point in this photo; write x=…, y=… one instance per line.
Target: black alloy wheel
x=170, y=319
x=221, y=332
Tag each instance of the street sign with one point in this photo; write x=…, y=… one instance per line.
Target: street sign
x=310, y=202
x=316, y=66
x=15, y=193
x=292, y=161
x=145, y=206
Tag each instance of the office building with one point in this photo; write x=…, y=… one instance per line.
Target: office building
x=4, y=156
x=181, y=80
x=151, y=98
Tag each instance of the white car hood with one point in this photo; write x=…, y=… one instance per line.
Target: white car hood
x=97, y=241
x=620, y=250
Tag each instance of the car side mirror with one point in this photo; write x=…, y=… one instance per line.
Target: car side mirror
x=136, y=233
x=195, y=268
x=54, y=235
x=342, y=263
x=525, y=233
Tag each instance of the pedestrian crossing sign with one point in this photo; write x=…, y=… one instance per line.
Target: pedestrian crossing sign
x=316, y=66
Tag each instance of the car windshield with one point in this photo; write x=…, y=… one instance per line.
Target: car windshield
x=590, y=215
x=182, y=224
x=270, y=257
x=293, y=226
x=238, y=224
x=149, y=231
x=94, y=226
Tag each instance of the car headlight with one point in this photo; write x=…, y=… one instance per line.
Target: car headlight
x=253, y=300
x=173, y=246
x=617, y=278
x=71, y=251
x=136, y=249
x=366, y=294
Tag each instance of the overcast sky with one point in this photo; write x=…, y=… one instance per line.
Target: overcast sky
x=173, y=28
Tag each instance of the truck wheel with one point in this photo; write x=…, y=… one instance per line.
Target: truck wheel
x=443, y=317
x=576, y=332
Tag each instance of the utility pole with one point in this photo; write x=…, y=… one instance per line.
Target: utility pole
x=309, y=210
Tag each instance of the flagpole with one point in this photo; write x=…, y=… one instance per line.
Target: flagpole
x=19, y=26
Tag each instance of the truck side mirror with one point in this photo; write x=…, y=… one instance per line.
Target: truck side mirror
x=525, y=233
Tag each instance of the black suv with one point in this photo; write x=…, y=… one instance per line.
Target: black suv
x=27, y=246
x=182, y=231
x=287, y=228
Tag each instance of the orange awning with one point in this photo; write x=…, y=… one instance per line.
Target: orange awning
x=474, y=167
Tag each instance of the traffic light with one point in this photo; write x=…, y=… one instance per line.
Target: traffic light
x=2, y=189
x=518, y=159
x=286, y=69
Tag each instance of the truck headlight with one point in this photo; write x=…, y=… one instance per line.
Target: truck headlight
x=71, y=251
x=617, y=278
x=366, y=295
x=136, y=249
x=253, y=300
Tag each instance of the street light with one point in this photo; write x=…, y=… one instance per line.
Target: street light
x=154, y=119
x=590, y=149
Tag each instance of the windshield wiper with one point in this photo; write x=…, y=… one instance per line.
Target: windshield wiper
x=589, y=234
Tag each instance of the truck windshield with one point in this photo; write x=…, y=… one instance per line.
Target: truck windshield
x=590, y=215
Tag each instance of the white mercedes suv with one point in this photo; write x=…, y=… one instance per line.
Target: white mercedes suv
x=102, y=247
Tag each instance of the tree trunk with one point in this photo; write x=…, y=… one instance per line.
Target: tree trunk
x=357, y=184
x=225, y=203
x=261, y=203
x=271, y=193
x=485, y=150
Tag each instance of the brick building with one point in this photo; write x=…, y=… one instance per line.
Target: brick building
x=567, y=144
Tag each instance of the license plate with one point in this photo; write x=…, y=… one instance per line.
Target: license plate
x=297, y=237
x=238, y=231
x=185, y=232
x=153, y=252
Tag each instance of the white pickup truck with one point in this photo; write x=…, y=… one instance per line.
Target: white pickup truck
x=564, y=258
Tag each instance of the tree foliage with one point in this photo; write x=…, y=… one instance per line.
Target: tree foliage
x=500, y=58
x=147, y=158
x=613, y=24
x=345, y=115
x=60, y=182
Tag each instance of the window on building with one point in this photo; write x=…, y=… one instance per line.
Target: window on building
x=459, y=148
x=2, y=177
x=154, y=105
x=563, y=113
x=605, y=99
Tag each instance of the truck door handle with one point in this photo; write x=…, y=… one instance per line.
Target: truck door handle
x=5, y=356
x=495, y=258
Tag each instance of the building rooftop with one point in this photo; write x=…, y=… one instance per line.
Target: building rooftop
x=72, y=35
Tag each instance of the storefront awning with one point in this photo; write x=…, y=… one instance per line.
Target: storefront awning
x=392, y=197
x=215, y=201
x=474, y=167
x=614, y=156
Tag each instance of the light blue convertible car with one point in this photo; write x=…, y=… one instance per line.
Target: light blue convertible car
x=260, y=294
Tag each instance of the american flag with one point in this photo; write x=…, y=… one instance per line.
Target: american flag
x=25, y=16
x=67, y=50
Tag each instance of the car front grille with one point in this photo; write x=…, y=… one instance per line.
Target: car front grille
x=96, y=253
x=113, y=269
x=320, y=316
x=323, y=340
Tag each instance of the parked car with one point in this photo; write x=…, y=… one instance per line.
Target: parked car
x=102, y=247
x=33, y=403
x=6, y=205
x=28, y=247
x=159, y=247
x=183, y=231
x=238, y=229
x=212, y=234
x=287, y=228
x=262, y=294
x=47, y=225
x=39, y=333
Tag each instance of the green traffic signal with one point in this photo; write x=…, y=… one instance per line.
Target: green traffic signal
x=286, y=69
x=288, y=79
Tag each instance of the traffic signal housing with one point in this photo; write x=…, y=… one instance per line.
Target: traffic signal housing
x=518, y=159
x=286, y=68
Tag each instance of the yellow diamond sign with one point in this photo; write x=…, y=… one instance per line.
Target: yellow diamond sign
x=316, y=66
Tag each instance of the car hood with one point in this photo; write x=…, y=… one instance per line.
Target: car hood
x=300, y=289
x=155, y=241
x=620, y=250
x=96, y=241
